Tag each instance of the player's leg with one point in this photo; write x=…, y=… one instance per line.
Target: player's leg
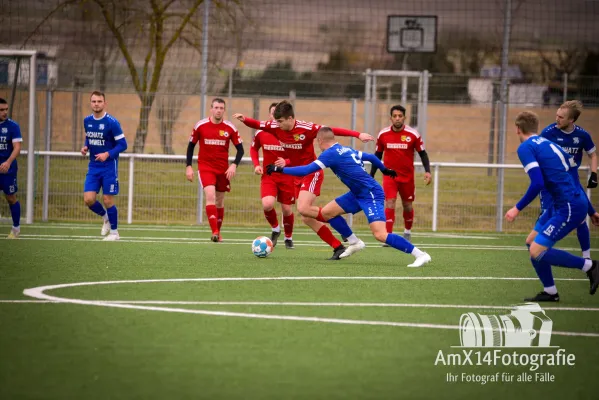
x=110, y=188
x=557, y=227
x=390, y=189
x=91, y=187
x=288, y=220
x=268, y=193
x=584, y=238
x=208, y=182
x=8, y=185
x=332, y=213
x=308, y=191
x=407, y=193
x=222, y=186
x=220, y=212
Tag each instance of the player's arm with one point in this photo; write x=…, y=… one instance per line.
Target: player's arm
x=364, y=137
x=537, y=183
x=426, y=164
x=193, y=139
x=16, y=149
x=119, y=147
x=592, y=183
x=376, y=162
x=297, y=171
x=239, y=154
x=255, y=124
x=374, y=168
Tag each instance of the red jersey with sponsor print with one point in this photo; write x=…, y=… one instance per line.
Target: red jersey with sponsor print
x=271, y=148
x=398, y=150
x=214, y=142
x=298, y=142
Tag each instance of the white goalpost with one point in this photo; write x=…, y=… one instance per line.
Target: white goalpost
x=32, y=55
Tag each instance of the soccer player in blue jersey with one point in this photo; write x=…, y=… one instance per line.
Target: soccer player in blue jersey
x=548, y=166
x=104, y=140
x=574, y=140
x=365, y=194
x=10, y=146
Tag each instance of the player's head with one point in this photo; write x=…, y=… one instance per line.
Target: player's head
x=271, y=110
x=284, y=115
x=527, y=123
x=217, y=109
x=3, y=109
x=567, y=114
x=97, y=101
x=325, y=137
x=397, y=116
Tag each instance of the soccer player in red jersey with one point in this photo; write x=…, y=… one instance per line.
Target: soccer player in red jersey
x=214, y=134
x=398, y=143
x=276, y=187
x=297, y=137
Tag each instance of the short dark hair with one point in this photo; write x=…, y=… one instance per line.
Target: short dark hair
x=283, y=109
x=217, y=100
x=272, y=105
x=97, y=93
x=528, y=122
x=398, y=108
x=2, y=101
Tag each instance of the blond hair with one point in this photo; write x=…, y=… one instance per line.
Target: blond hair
x=574, y=108
x=528, y=122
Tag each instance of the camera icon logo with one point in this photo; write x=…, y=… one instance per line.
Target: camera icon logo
x=526, y=325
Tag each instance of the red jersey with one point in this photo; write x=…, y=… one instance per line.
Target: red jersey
x=214, y=143
x=299, y=141
x=271, y=148
x=398, y=150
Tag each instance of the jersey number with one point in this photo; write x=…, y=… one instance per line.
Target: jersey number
x=358, y=161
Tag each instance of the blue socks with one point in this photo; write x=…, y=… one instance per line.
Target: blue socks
x=113, y=217
x=399, y=243
x=544, y=273
x=561, y=258
x=98, y=209
x=15, y=211
x=340, y=225
x=584, y=237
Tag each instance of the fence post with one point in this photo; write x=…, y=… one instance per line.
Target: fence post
x=46, y=193
x=354, y=112
x=588, y=219
x=565, y=87
x=31, y=140
x=131, y=185
x=435, y=195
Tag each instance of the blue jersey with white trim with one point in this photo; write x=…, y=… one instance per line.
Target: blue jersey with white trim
x=555, y=165
x=101, y=135
x=10, y=133
x=574, y=143
x=347, y=164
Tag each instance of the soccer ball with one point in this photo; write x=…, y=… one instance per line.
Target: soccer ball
x=262, y=246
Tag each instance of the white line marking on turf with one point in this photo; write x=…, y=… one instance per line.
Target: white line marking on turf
x=38, y=293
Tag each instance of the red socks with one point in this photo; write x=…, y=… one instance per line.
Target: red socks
x=212, y=218
x=390, y=216
x=271, y=217
x=408, y=217
x=327, y=236
x=288, y=225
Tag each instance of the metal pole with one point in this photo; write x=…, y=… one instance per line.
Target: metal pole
x=490, y=157
x=31, y=144
x=46, y=194
x=588, y=219
x=404, y=81
x=503, y=98
x=230, y=105
x=354, y=112
x=367, y=102
x=130, y=192
x=565, y=87
x=422, y=110
x=203, y=90
x=435, y=195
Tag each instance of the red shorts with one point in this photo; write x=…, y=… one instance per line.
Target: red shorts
x=211, y=178
x=311, y=183
x=279, y=186
x=407, y=190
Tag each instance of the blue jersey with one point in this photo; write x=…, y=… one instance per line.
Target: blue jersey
x=9, y=133
x=555, y=165
x=347, y=164
x=574, y=143
x=103, y=135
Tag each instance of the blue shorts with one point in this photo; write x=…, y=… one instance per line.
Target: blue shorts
x=372, y=203
x=543, y=218
x=8, y=183
x=105, y=178
x=562, y=221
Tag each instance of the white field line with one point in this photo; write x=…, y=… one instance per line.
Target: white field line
x=307, y=304
x=38, y=293
x=248, y=230
x=239, y=241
